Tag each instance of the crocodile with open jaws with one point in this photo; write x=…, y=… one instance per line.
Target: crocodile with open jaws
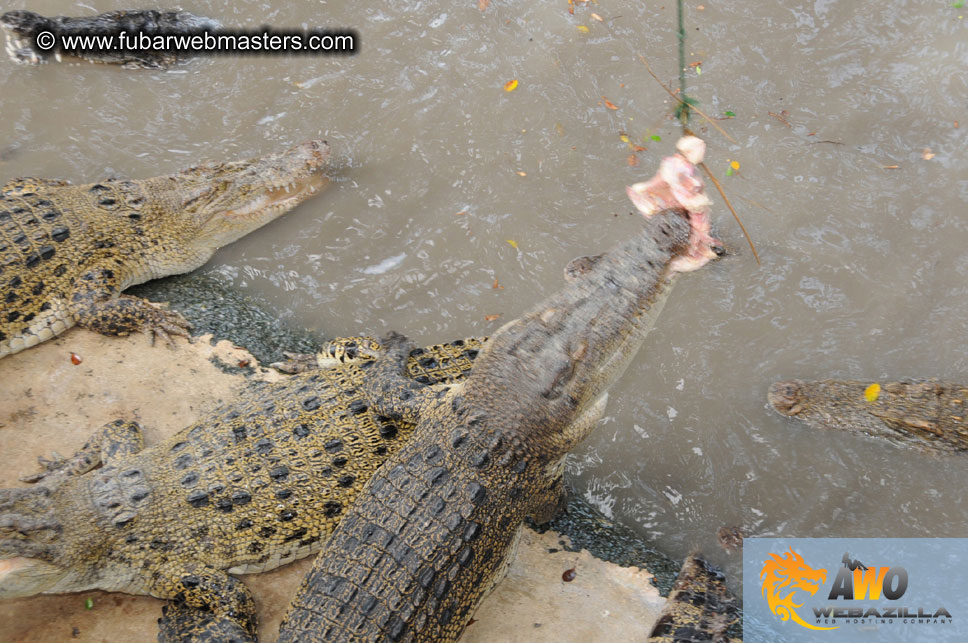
x=23, y=27
x=928, y=414
x=435, y=528
x=67, y=251
x=250, y=486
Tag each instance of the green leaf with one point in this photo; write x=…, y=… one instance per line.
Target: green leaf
x=89, y=603
x=959, y=4
x=729, y=114
x=729, y=171
x=656, y=138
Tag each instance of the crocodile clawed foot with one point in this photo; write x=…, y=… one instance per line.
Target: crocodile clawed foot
x=163, y=323
x=48, y=466
x=295, y=363
x=394, y=341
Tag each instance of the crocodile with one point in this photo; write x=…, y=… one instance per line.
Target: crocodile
x=23, y=27
x=248, y=487
x=436, y=527
x=68, y=251
x=929, y=414
x=700, y=609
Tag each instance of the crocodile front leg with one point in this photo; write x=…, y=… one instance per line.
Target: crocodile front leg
x=180, y=623
x=112, y=442
x=207, y=604
x=96, y=304
x=387, y=387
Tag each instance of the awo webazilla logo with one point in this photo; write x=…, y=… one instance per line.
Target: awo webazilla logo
x=859, y=594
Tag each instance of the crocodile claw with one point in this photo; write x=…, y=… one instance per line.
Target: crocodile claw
x=295, y=363
x=162, y=323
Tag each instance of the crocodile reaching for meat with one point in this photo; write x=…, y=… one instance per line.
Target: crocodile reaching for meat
x=67, y=251
x=929, y=414
x=435, y=528
x=251, y=486
x=700, y=608
x=24, y=27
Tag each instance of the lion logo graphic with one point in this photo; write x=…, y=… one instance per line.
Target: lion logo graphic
x=789, y=572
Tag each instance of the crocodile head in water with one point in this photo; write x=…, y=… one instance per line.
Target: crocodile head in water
x=556, y=362
x=221, y=202
x=23, y=27
x=927, y=414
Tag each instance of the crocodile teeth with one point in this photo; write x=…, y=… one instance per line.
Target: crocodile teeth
x=57, y=56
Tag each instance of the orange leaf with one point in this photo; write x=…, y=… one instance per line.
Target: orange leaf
x=482, y=4
x=638, y=148
x=492, y=317
x=460, y=213
x=609, y=104
x=511, y=85
x=633, y=160
x=521, y=173
x=496, y=285
x=597, y=17
x=890, y=167
x=927, y=154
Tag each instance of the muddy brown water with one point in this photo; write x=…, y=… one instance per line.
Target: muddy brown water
x=437, y=166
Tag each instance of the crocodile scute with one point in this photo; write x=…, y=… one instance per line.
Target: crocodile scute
x=250, y=486
x=68, y=251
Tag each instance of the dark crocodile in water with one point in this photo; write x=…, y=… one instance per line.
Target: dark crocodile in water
x=928, y=414
x=24, y=27
x=436, y=527
x=250, y=486
x=68, y=251
x=700, y=609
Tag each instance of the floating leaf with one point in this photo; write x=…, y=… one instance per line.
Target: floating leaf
x=511, y=85
x=729, y=171
x=89, y=603
x=872, y=392
x=583, y=28
x=734, y=165
x=729, y=114
x=496, y=285
x=890, y=167
x=483, y=4
x=597, y=17
x=927, y=154
x=624, y=138
x=609, y=104
x=462, y=212
x=521, y=173
x=492, y=317
x=638, y=148
x=959, y=4
x=656, y=138
x=514, y=244
x=633, y=160
x=698, y=70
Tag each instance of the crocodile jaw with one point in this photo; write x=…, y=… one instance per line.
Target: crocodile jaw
x=20, y=576
x=230, y=200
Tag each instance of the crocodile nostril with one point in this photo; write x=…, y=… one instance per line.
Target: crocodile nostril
x=719, y=249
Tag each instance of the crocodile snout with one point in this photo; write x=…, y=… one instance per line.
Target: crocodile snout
x=786, y=397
